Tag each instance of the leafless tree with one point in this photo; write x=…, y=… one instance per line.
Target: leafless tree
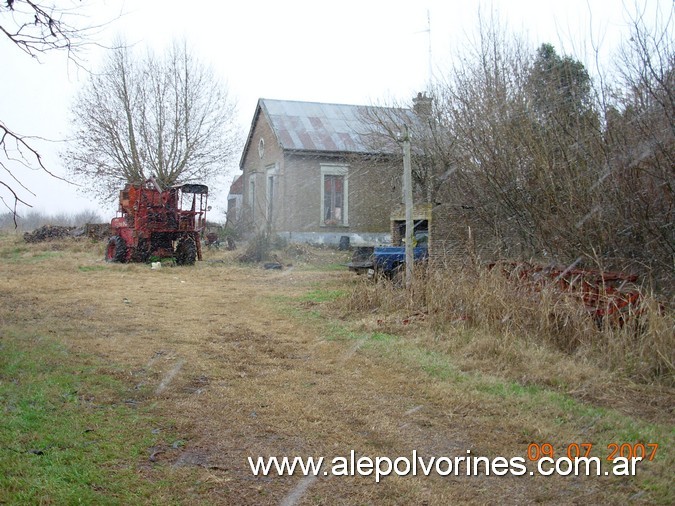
x=640, y=169
x=541, y=162
x=34, y=28
x=167, y=116
x=425, y=124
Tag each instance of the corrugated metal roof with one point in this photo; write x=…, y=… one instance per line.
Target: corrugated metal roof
x=314, y=126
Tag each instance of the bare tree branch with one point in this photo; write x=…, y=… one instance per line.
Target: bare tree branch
x=35, y=29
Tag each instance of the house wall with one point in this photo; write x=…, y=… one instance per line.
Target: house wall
x=233, y=209
x=254, y=167
x=373, y=190
x=300, y=192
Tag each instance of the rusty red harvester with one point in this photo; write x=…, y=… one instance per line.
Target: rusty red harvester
x=153, y=222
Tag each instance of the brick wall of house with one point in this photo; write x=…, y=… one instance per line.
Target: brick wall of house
x=375, y=191
x=300, y=195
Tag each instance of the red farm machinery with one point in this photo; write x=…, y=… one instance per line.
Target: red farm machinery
x=611, y=296
x=153, y=222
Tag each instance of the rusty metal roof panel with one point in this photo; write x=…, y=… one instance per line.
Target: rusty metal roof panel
x=313, y=126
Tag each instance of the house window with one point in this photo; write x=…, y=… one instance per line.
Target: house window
x=334, y=201
x=261, y=147
x=251, y=196
x=271, y=190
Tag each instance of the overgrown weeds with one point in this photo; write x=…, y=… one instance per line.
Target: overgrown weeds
x=258, y=249
x=496, y=318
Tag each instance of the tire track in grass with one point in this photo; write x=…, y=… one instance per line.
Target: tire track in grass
x=297, y=493
x=169, y=376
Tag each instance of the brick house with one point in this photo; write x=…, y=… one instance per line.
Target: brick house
x=310, y=174
x=234, y=201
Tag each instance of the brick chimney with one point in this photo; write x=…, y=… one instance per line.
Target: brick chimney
x=422, y=105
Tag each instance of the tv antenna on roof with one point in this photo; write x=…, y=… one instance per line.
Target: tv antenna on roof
x=428, y=32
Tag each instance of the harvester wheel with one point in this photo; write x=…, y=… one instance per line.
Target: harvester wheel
x=116, y=250
x=186, y=251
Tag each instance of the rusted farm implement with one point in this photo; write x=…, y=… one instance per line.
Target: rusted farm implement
x=213, y=241
x=608, y=296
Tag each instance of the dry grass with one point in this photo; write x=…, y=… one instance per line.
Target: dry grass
x=237, y=361
x=466, y=306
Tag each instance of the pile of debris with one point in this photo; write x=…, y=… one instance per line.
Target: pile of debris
x=49, y=233
x=97, y=231
x=257, y=250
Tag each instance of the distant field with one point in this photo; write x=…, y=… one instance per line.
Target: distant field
x=120, y=384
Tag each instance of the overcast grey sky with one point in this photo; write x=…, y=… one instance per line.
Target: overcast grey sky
x=355, y=52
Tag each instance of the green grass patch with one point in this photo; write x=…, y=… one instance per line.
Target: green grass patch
x=333, y=267
x=435, y=364
x=382, y=336
x=13, y=253
x=320, y=295
x=44, y=255
x=338, y=332
x=21, y=254
x=71, y=432
x=324, y=267
x=507, y=389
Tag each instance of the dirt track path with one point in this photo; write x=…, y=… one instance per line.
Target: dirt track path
x=237, y=372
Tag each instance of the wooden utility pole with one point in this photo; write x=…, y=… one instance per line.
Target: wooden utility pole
x=408, y=199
